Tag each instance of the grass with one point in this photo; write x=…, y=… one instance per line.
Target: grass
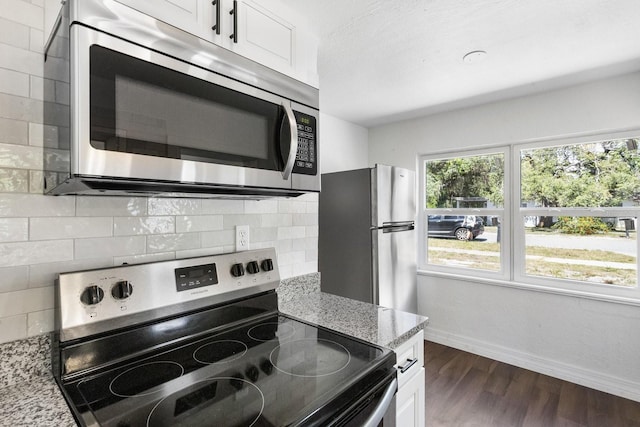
x=485, y=256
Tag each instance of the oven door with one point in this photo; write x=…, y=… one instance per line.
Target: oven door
x=376, y=409
x=140, y=114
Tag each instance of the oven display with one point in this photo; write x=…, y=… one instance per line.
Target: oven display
x=188, y=278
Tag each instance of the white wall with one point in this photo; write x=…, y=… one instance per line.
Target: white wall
x=344, y=145
x=590, y=342
x=43, y=235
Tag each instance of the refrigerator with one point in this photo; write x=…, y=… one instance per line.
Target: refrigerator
x=367, y=237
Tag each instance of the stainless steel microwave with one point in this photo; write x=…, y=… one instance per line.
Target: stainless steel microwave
x=137, y=106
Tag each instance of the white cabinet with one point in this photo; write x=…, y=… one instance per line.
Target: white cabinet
x=265, y=32
x=410, y=407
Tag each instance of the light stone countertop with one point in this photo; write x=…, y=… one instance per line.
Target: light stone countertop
x=29, y=396
x=378, y=325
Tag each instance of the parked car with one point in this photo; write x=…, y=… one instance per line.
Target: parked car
x=462, y=227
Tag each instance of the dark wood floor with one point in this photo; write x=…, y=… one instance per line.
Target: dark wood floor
x=463, y=389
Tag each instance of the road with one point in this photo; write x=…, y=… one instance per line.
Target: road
x=620, y=245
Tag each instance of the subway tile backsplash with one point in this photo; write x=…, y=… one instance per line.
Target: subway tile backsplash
x=41, y=236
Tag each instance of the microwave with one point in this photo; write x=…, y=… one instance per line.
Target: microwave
x=135, y=106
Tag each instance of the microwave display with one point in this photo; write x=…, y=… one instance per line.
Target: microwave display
x=306, y=158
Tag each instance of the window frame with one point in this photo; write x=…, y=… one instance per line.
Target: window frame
x=513, y=239
x=423, y=214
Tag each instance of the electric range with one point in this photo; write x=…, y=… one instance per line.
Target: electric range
x=200, y=342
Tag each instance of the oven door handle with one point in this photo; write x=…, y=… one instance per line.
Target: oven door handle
x=293, y=145
x=378, y=413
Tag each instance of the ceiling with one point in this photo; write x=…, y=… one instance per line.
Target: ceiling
x=381, y=60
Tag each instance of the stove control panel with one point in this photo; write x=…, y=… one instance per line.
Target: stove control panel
x=101, y=300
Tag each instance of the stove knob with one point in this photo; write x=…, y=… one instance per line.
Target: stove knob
x=92, y=295
x=122, y=290
x=252, y=373
x=237, y=270
x=252, y=267
x=267, y=264
x=266, y=366
x=237, y=381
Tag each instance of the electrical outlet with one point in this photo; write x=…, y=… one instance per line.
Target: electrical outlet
x=242, y=238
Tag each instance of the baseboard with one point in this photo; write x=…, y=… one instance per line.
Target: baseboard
x=588, y=378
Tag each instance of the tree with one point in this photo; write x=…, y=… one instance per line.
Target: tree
x=603, y=174
x=476, y=176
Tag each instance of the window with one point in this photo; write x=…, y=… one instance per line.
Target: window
x=560, y=214
x=465, y=198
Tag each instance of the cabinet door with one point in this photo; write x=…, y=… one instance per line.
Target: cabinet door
x=410, y=405
x=263, y=36
x=187, y=15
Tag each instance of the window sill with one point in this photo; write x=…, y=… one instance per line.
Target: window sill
x=534, y=288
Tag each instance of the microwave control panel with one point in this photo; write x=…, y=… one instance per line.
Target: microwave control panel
x=307, y=156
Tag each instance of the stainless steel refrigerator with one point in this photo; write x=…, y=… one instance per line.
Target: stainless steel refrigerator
x=367, y=243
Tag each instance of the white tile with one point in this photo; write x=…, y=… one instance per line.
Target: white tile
x=283, y=245
x=260, y=234
x=109, y=246
x=70, y=228
x=14, y=132
x=13, y=328
x=45, y=274
x=36, y=135
x=40, y=322
x=14, y=34
x=129, y=226
x=14, y=82
x=304, y=268
x=173, y=242
x=189, y=253
x=311, y=255
x=14, y=278
x=194, y=223
x=214, y=206
x=36, y=88
x=292, y=206
x=305, y=219
x=31, y=205
x=253, y=220
x=14, y=229
x=286, y=271
x=26, y=253
x=111, y=206
x=211, y=239
x=312, y=207
x=138, y=259
x=26, y=301
x=36, y=40
x=22, y=60
x=277, y=220
x=291, y=232
x=14, y=181
x=19, y=108
x=311, y=231
x=20, y=157
x=23, y=13
x=36, y=182
x=261, y=206
x=158, y=206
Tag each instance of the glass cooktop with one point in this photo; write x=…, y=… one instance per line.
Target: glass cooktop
x=270, y=372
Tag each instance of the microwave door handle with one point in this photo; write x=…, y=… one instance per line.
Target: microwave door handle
x=293, y=147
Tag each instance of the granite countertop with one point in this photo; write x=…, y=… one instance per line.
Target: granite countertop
x=378, y=325
x=29, y=396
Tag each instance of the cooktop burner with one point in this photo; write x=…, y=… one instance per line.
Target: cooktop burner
x=145, y=378
x=310, y=357
x=222, y=351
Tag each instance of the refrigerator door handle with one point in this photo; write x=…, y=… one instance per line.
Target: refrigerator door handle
x=396, y=227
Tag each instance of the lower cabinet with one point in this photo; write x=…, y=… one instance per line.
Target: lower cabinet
x=410, y=405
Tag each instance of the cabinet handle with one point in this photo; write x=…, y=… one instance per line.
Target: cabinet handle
x=216, y=27
x=410, y=362
x=234, y=12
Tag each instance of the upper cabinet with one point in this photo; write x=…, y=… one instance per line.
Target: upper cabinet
x=266, y=32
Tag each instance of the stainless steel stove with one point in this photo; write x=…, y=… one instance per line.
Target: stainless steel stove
x=200, y=342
